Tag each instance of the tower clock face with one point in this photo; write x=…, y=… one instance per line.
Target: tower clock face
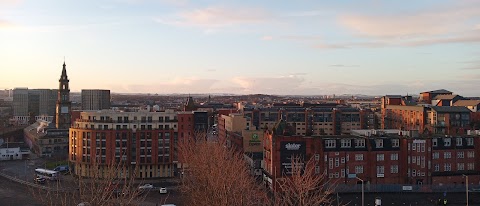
x=64, y=110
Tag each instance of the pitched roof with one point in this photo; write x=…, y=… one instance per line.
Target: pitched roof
x=439, y=91
x=466, y=103
x=445, y=96
x=450, y=109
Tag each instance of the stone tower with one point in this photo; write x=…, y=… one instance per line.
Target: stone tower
x=63, y=115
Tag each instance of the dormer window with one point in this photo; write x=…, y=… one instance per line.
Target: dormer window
x=379, y=143
x=447, y=142
x=346, y=143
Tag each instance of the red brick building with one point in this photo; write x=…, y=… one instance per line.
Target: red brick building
x=378, y=157
x=141, y=141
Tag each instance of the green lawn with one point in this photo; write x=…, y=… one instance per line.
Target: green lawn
x=52, y=165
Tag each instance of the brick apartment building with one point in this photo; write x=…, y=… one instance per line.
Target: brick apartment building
x=377, y=157
x=436, y=112
x=135, y=140
x=310, y=119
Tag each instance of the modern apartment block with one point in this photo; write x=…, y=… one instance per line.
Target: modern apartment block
x=36, y=103
x=95, y=99
x=141, y=141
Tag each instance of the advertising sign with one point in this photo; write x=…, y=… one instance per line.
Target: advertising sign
x=289, y=149
x=255, y=140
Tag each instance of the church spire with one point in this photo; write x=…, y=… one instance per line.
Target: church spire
x=64, y=71
x=63, y=116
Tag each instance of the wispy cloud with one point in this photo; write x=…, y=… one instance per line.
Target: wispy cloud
x=309, y=13
x=267, y=38
x=216, y=17
x=5, y=24
x=343, y=65
x=176, y=85
x=455, y=23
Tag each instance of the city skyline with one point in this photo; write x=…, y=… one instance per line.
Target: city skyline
x=242, y=47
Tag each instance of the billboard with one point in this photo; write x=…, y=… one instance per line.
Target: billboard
x=252, y=140
x=289, y=149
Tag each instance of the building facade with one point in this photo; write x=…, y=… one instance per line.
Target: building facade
x=95, y=99
x=383, y=157
x=138, y=141
x=33, y=103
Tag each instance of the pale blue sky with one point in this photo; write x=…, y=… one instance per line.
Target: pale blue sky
x=274, y=47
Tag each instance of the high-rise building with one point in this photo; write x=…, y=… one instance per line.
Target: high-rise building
x=95, y=99
x=38, y=103
x=20, y=102
x=64, y=105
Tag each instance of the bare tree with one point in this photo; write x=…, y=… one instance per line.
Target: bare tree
x=216, y=175
x=303, y=185
x=109, y=185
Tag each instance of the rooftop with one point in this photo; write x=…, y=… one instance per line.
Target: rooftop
x=450, y=109
x=466, y=103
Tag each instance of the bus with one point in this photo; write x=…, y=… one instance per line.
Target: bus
x=47, y=174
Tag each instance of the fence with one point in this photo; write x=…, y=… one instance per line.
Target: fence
x=343, y=188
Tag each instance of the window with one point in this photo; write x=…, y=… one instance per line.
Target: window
x=330, y=143
x=330, y=163
x=447, y=155
x=359, y=169
x=380, y=170
x=380, y=157
x=447, y=167
x=470, y=154
x=358, y=157
x=459, y=141
x=359, y=142
x=460, y=166
x=471, y=166
x=435, y=155
x=379, y=143
x=317, y=157
x=434, y=142
x=394, y=169
x=447, y=142
x=460, y=155
x=395, y=143
x=343, y=160
x=337, y=162
x=437, y=167
x=469, y=141
x=346, y=143
x=317, y=169
x=394, y=156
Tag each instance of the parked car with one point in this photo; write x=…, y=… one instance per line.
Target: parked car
x=163, y=190
x=39, y=180
x=146, y=187
x=63, y=169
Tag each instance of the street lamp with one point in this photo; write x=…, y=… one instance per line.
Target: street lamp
x=363, y=196
x=466, y=186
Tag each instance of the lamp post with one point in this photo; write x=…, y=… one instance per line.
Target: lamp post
x=363, y=196
x=466, y=186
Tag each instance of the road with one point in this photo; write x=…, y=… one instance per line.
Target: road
x=425, y=199
x=13, y=194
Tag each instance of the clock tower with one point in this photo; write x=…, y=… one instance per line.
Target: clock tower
x=63, y=115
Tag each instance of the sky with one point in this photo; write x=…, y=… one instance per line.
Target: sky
x=288, y=47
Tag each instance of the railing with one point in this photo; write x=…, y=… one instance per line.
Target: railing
x=400, y=188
